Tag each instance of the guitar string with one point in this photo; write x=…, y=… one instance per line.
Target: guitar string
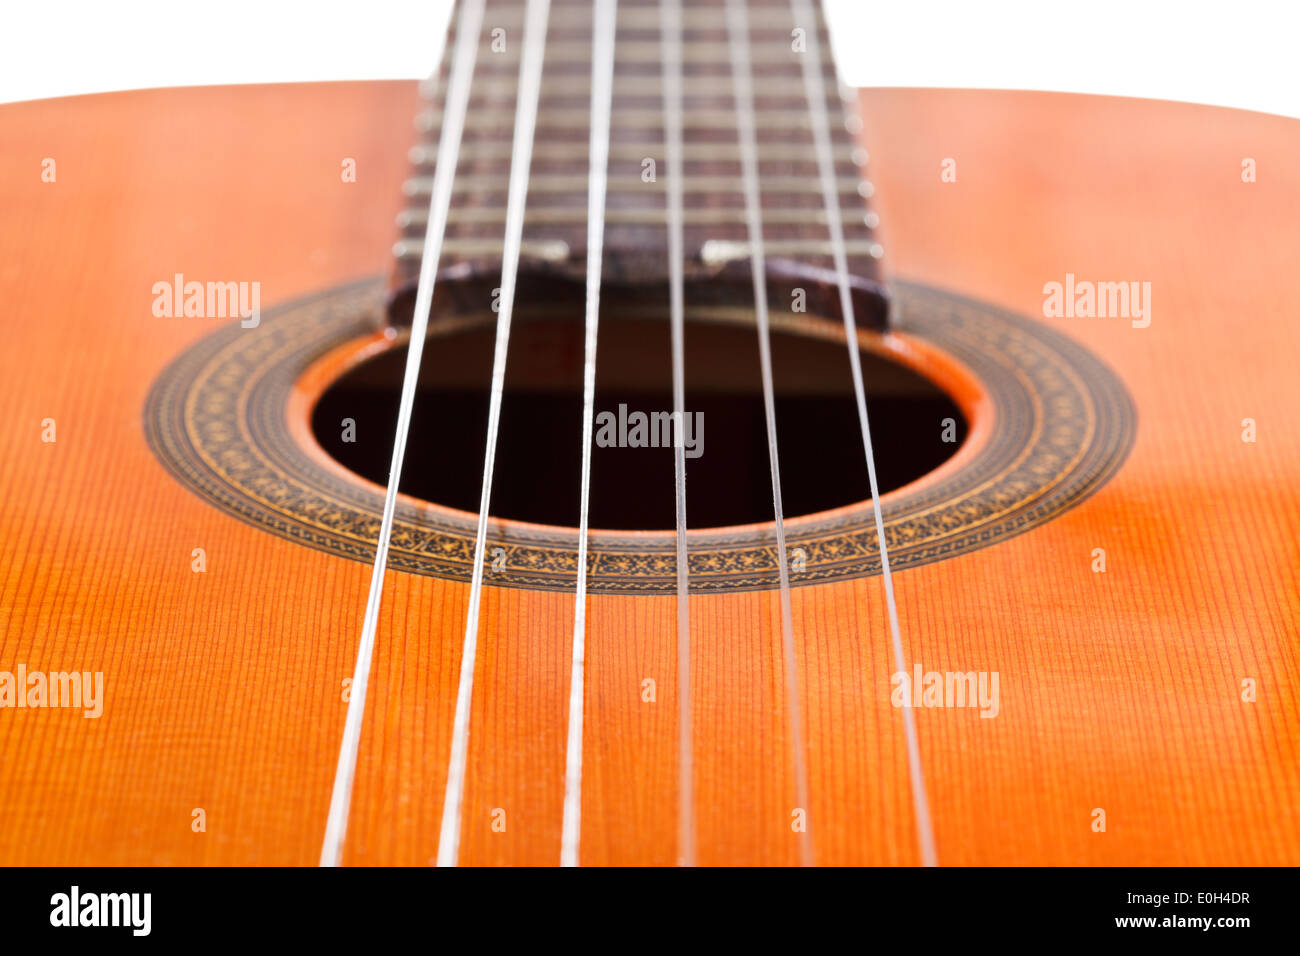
x=466, y=48
x=670, y=25
x=742, y=83
x=602, y=88
x=815, y=86
x=529, y=89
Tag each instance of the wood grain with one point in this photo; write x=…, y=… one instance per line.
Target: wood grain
x=224, y=689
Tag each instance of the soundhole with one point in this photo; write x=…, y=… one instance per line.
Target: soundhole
x=915, y=426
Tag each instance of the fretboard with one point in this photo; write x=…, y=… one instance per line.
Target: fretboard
x=715, y=235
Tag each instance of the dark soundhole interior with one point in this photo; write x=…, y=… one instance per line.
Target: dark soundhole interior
x=538, y=461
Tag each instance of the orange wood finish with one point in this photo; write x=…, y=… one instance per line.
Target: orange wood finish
x=224, y=690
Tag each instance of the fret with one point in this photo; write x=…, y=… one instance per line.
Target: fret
x=641, y=18
x=423, y=155
x=721, y=251
x=641, y=64
x=418, y=217
x=645, y=119
x=764, y=18
x=704, y=33
x=639, y=51
x=646, y=69
x=642, y=100
x=420, y=186
x=546, y=250
x=789, y=86
x=714, y=252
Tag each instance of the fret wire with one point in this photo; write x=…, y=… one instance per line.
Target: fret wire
x=635, y=69
x=536, y=216
x=563, y=15
x=423, y=155
x=548, y=250
x=639, y=118
x=638, y=100
x=575, y=84
x=638, y=51
x=646, y=19
x=546, y=183
x=631, y=68
x=713, y=252
x=716, y=251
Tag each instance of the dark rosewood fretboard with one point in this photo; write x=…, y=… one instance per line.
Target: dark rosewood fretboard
x=794, y=219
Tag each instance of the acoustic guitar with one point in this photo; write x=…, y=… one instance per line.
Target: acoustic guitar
x=713, y=465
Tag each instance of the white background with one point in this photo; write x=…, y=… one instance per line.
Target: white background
x=1241, y=54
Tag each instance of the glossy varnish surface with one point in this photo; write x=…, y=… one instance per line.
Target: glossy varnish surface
x=224, y=689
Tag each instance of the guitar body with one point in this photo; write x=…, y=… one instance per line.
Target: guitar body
x=226, y=671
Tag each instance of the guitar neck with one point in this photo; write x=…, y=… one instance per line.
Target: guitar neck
x=795, y=231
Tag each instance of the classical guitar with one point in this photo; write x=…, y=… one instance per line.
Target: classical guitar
x=713, y=465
